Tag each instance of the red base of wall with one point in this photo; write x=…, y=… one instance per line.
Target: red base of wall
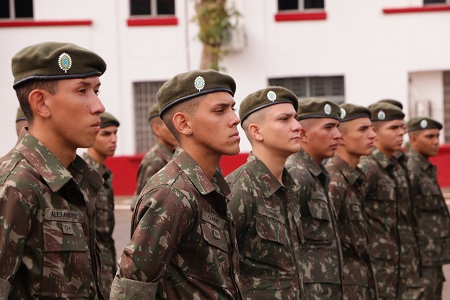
x=125, y=169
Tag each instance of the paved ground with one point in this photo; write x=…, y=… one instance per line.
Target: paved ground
x=122, y=231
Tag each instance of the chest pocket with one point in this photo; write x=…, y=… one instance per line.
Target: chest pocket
x=270, y=225
x=64, y=237
x=385, y=191
x=355, y=212
x=271, y=245
x=214, y=233
x=318, y=227
x=431, y=198
x=66, y=263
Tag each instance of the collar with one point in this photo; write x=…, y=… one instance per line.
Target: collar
x=50, y=168
x=267, y=183
x=352, y=175
x=196, y=175
x=381, y=158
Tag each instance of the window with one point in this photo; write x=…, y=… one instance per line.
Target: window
x=447, y=106
x=152, y=7
x=330, y=88
x=300, y=4
x=144, y=97
x=425, y=2
x=16, y=9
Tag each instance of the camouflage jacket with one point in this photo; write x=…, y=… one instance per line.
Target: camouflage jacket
x=183, y=243
x=430, y=211
x=346, y=192
x=390, y=222
x=105, y=221
x=153, y=161
x=321, y=252
x=47, y=225
x=268, y=230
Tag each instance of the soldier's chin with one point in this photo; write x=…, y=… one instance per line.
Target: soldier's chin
x=232, y=150
x=87, y=144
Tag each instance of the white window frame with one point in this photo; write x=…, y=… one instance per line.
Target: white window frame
x=153, y=9
x=144, y=93
x=301, y=6
x=12, y=12
x=446, y=2
x=307, y=82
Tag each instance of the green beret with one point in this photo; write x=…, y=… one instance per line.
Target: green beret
x=383, y=111
x=108, y=119
x=264, y=98
x=351, y=112
x=312, y=108
x=153, y=111
x=20, y=116
x=422, y=123
x=50, y=60
x=393, y=102
x=192, y=84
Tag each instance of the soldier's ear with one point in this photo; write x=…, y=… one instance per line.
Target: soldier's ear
x=156, y=127
x=181, y=122
x=37, y=99
x=256, y=132
x=303, y=134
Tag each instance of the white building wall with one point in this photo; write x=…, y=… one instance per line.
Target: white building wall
x=376, y=53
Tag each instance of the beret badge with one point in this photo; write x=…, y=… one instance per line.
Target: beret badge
x=64, y=62
x=327, y=109
x=423, y=123
x=199, y=83
x=381, y=115
x=271, y=96
x=343, y=113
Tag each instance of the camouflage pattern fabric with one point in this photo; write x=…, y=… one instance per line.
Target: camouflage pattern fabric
x=183, y=243
x=104, y=207
x=268, y=231
x=433, y=220
x=412, y=286
x=321, y=251
x=390, y=221
x=153, y=161
x=47, y=225
x=436, y=278
x=346, y=191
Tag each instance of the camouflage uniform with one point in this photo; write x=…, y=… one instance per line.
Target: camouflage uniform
x=433, y=221
x=47, y=226
x=346, y=192
x=183, y=244
x=393, y=244
x=268, y=230
x=321, y=251
x=105, y=222
x=153, y=161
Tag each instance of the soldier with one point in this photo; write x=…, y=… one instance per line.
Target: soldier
x=47, y=192
x=390, y=221
x=159, y=155
x=321, y=252
x=347, y=194
x=105, y=146
x=398, y=154
x=263, y=200
x=21, y=121
x=183, y=243
x=429, y=205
